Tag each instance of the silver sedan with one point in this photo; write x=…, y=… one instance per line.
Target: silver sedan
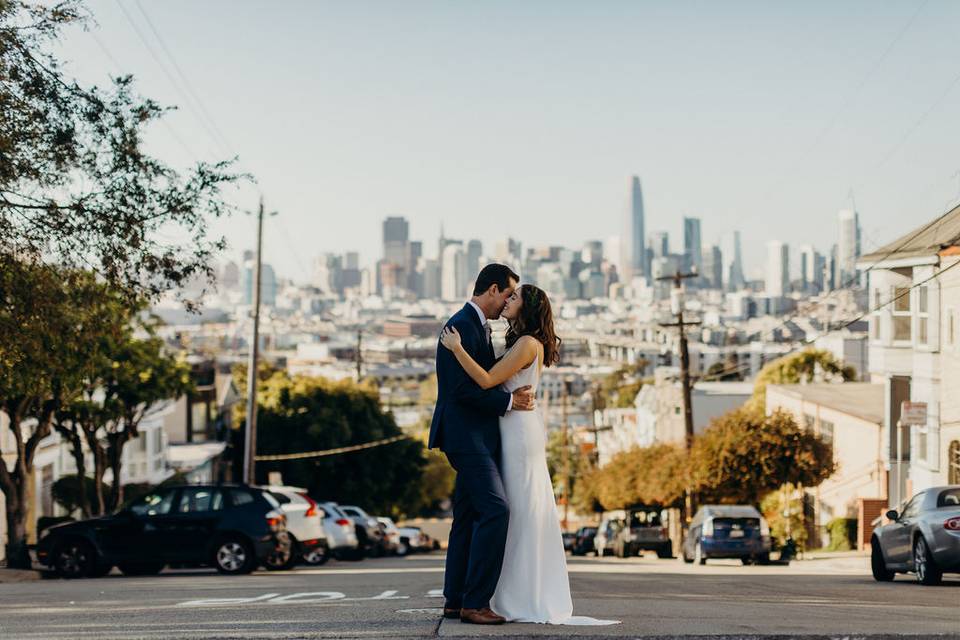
x=924, y=538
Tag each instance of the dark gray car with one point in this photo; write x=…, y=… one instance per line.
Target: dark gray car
x=924, y=538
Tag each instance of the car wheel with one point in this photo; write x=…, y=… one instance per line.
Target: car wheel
x=74, y=559
x=878, y=565
x=698, y=556
x=928, y=573
x=141, y=568
x=101, y=570
x=234, y=556
x=403, y=549
x=620, y=550
x=746, y=561
x=282, y=558
x=317, y=556
x=664, y=552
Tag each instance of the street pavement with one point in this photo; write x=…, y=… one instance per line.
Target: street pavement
x=400, y=598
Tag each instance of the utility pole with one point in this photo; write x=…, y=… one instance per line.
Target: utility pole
x=250, y=431
x=359, y=353
x=681, y=324
x=566, y=454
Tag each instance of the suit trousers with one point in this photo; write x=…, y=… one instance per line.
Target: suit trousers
x=479, y=531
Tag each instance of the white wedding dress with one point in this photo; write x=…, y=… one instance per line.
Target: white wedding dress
x=533, y=585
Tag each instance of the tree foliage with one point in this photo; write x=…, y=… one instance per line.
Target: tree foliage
x=809, y=365
x=743, y=455
x=77, y=186
x=303, y=413
x=642, y=475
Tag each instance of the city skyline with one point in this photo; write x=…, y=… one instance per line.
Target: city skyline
x=796, y=108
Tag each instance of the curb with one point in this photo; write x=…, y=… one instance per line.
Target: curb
x=14, y=576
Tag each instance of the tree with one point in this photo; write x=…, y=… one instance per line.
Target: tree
x=809, y=365
x=619, y=389
x=49, y=319
x=744, y=455
x=642, y=475
x=303, y=413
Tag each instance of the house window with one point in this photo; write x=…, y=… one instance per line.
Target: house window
x=921, y=452
x=922, y=316
x=808, y=422
x=902, y=320
x=951, y=327
x=876, y=326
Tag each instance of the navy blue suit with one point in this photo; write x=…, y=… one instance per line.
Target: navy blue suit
x=466, y=428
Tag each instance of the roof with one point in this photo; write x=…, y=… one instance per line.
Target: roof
x=926, y=240
x=191, y=456
x=859, y=399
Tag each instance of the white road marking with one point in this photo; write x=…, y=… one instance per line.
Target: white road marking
x=218, y=601
x=311, y=597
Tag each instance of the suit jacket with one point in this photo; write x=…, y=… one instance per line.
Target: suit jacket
x=466, y=418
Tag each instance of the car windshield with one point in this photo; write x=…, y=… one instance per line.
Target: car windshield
x=154, y=504
x=645, y=519
x=949, y=499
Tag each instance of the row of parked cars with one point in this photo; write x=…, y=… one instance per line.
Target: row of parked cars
x=234, y=528
x=716, y=531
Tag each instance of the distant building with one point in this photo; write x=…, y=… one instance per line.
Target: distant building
x=454, y=278
x=778, y=269
x=635, y=252
x=268, y=284
x=848, y=248
x=692, y=247
x=659, y=244
x=474, y=253
x=713, y=267
x=734, y=265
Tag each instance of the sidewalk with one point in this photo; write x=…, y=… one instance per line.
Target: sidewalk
x=13, y=576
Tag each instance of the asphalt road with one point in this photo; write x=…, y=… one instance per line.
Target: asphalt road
x=399, y=598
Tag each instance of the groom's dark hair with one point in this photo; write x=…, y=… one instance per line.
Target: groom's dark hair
x=494, y=274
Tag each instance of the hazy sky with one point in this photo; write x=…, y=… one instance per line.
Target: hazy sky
x=527, y=118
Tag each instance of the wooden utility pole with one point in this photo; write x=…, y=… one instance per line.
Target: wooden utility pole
x=250, y=431
x=359, y=354
x=566, y=455
x=681, y=324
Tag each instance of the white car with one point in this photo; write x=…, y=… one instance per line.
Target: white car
x=392, y=536
x=412, y=540
x=305, y=526
x=341, y=533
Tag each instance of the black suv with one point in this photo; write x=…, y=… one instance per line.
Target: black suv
x=231, y=527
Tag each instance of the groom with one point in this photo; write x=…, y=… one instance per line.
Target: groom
x=466, y=428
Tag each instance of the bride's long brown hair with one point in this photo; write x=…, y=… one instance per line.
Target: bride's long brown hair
x=536, y=319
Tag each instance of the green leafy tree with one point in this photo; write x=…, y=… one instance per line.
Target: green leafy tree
x=303, y=413
x=744, y=455
x=809, y=365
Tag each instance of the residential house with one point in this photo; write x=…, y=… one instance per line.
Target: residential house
x=914, y=286
x=849, y=417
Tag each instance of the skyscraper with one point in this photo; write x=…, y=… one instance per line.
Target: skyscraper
x=713, y=267
x=734, y=264
x=474, y=253
x=811, y=269
x=848, y=248
x=635, y=248
x=453, y=274
x=659, y=244
x=396, y=239
x=692, y=252
x=778, y=269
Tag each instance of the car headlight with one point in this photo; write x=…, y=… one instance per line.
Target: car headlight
x=764, y=527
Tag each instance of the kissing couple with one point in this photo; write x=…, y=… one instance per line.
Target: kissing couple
x=505, y=556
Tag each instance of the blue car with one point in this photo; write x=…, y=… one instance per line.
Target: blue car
x=727, y=531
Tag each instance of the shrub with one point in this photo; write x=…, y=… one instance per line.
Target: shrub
x=843, y=534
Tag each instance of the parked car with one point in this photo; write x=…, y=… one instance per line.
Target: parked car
x=727, y=531
x=584, y=542
x=606, y=534
x=341, y=533
x=923, y=538
x=308, y=542
x=390, y=536
x=368, y=530
x=230, y=527
x=569, y=538
x=417, y=541
x=644, y=530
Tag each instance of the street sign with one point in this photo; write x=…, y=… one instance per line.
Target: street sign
x=913, y=413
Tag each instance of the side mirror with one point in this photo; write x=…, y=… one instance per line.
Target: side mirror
x=892, y=515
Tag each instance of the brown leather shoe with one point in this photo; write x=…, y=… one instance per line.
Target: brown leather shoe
x=451, y=613
x=480, y=616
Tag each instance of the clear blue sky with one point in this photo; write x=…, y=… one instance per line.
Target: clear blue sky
x=527, y=118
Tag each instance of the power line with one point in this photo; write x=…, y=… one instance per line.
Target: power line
x=331, y=452
x=173, y=81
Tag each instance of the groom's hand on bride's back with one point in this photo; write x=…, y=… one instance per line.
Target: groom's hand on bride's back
x=523, y=399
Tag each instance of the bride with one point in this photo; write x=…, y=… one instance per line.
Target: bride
x=533, y=585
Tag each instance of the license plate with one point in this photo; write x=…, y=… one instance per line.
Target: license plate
x=736, y=533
